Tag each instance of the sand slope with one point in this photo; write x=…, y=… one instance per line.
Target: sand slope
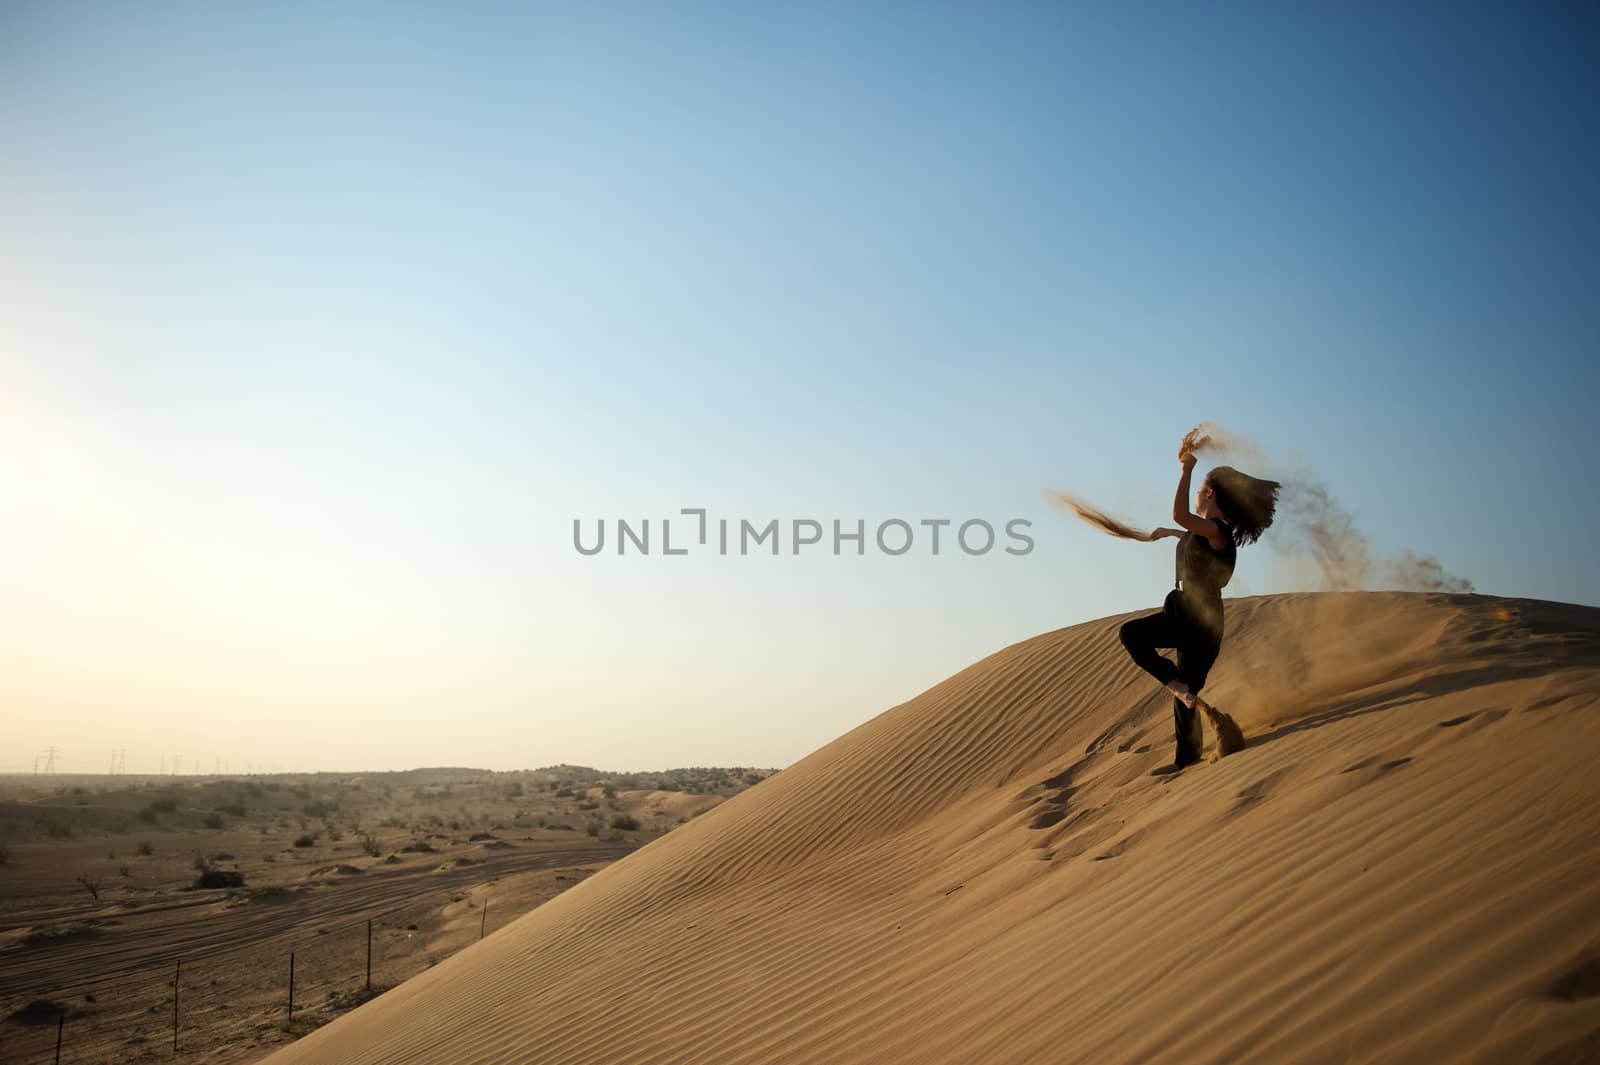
x=1404, y=866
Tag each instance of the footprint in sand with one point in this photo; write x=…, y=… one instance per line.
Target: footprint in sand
x=1120, y=847
x=1049, y=798
x=1274, y=783
x=1054, y=812
x=1372, y=759
x=1547, y=702
x=1452, y=729
x=1579, y=982
x=1482, y=717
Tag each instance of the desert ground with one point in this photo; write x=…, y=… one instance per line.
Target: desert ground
x=1402, y=866
x=103, y=900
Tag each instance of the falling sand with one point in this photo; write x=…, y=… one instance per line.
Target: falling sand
x=1099, y=518
x=1324, y=548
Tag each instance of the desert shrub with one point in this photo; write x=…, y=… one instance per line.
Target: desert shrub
x=147, y=815
x=588, y=804
x=305, y=840
x=235, y=809
x=593, y=828
x=220, y=878
x=144, y=849
x=369, y=844
x=39, y=1012
x=315, y=809
x=213, y=820
x=565, y=793
x=165, y=806
x=420, y=846
x=626, y=822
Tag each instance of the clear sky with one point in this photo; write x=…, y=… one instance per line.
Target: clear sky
x=320, y=325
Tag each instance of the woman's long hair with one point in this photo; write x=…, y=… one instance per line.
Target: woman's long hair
x=1249, y=503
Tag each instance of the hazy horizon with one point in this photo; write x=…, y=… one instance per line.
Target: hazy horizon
x=322, y=327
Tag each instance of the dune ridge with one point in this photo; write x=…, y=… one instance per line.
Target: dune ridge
x=1401, y=867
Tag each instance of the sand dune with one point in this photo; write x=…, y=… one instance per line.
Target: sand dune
x=1403, y=866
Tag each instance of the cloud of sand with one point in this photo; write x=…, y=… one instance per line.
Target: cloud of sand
x=1324, y=548
x=1313, y=527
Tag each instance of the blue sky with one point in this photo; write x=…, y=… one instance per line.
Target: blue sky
x=321, y=325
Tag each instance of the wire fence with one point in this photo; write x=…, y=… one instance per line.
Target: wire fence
x=258, y=995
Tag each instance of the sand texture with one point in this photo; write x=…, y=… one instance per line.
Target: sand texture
x=1403, y=865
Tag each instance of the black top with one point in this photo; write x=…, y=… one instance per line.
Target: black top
x=1201, y=570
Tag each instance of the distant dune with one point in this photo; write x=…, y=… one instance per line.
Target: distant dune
x=1403, y=866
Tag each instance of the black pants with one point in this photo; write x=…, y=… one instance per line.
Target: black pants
x=1194, y=630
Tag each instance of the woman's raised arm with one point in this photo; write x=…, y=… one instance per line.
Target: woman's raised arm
x=1183, y=516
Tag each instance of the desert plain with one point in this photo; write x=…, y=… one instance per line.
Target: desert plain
x=112, y=887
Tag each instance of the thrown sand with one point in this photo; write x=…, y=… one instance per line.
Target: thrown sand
x=1403, y=865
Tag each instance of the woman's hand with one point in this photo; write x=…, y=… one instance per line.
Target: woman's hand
x=1162, y=534
x=1186, y=457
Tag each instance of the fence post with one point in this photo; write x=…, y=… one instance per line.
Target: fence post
x=291, y=987
x=176, y=973
x=483, y=921
x=61, y=1023
x=369, y=954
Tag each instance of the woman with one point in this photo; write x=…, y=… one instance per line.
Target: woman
x=1231, y=509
